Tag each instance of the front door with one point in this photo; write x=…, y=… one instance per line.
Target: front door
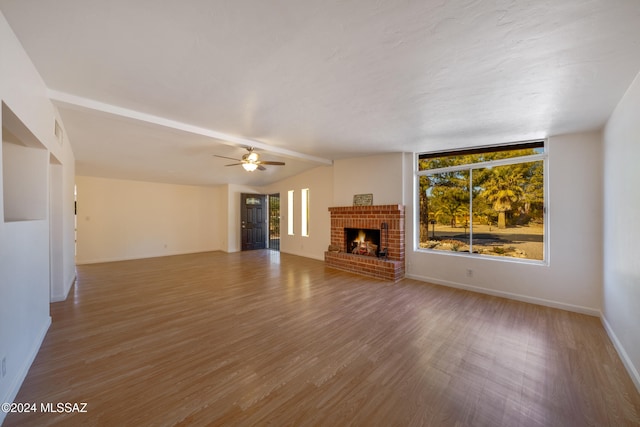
x=253, y=221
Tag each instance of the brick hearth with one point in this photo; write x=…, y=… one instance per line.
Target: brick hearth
x=368, y=217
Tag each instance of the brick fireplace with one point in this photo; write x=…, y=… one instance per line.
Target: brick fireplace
x=372, y=218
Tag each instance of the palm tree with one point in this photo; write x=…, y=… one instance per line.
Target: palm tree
x=502, y=189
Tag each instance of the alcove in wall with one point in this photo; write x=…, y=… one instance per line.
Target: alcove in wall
x=24, y=171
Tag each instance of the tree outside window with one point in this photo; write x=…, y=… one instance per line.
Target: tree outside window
x=485, y=201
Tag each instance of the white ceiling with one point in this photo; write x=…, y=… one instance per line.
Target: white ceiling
x=151, y=90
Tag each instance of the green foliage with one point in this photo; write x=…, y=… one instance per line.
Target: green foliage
x=470, y=159
x=503, y=195
x=446, y=197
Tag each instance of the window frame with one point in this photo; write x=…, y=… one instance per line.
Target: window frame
x=304, y=212
x=290, y=212
x=544, y=157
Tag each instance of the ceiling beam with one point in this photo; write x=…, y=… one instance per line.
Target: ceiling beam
x=66, y=99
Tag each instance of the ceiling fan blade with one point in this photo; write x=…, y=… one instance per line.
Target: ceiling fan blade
x=261, y=168
x=229, y=158
x=272, y=163
x=234, y=164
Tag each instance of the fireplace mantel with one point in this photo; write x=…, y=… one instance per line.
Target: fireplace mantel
x=369, y=217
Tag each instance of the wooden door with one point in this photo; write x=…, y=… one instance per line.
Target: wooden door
x=253, y=221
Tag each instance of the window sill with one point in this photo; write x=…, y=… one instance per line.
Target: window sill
x=512, y=260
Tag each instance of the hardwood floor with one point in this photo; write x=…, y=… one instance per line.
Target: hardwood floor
x=262, y=338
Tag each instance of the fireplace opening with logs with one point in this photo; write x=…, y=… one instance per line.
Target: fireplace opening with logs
x=363, y=241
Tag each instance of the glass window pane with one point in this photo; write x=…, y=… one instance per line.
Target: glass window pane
x=508, y=211
x=429, y=161
x=444, y=211
x=304, y=216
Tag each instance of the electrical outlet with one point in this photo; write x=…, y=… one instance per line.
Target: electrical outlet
x=4, y=367
x=469, y=272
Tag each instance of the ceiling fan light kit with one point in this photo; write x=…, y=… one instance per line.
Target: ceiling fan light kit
x=251, y=161
x=250, y=167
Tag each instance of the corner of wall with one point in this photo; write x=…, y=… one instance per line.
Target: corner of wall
x=626, y=360
x=621, y=206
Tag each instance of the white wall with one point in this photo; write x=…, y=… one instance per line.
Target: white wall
x=231, y=222
x=56, y=230
x=24, y=245
x=27, y=165
x=381, y=175
x=572, y=278
x=621, y=308
x=68, y=221
x=122, y=219
x=319, y=181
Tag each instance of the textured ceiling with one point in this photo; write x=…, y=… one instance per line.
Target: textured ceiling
x=330, y=79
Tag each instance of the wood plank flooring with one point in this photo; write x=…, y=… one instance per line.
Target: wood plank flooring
x=263, y=338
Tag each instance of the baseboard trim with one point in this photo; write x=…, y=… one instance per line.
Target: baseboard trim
x=518, y=297
x=310, y=256
x=626, y=360
x=57, y=298
x=103, y=260
x=131, y=258
x=63, y=297
x=14, y=388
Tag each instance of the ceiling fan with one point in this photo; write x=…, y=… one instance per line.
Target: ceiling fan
x=251, y=161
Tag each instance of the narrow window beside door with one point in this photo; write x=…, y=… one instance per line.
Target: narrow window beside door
x=304, y=218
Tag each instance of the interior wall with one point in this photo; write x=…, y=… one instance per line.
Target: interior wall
x=123, y=219
x=68, y=218
x=381, y=175
x=319, y=181
x=621, y=289
x=24, y=244
x=572, y=277
x=232, y=196
x=56, y=229
x=27, y=165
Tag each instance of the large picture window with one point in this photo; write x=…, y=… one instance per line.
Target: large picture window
x=486, y=201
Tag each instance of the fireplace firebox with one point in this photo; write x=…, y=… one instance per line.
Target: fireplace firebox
x=362, y=241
